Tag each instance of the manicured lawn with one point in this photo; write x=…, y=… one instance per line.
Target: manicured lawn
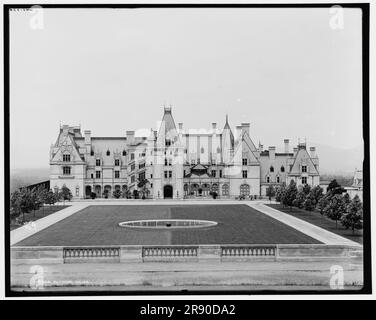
x=40, y=213
x=98, y=225
x=317, y=219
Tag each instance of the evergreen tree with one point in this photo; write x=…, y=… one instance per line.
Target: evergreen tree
x=290, y=194
x=280, y=192
x=306, y=189
x=300, y=198
x=323, y=203
x=353, y=218
x=336, y=208
x=335, y=188
x=66, y=194
x=270, y=192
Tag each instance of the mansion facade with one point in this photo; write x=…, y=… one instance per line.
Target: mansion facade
x=174, y=163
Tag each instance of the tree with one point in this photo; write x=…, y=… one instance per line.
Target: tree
x=280, y=192
x=300, y=198
x=65, y=194
x=142, y=184
x=316, y=194
x=116, y=194
x=35, y=200
x=290, y=194
x=43, y=197
x=336, y=208
x=270, y=192
x=323, y=203
x=335, y=188
x=353, y=218
x=25, y=202
x=306, y=189
x=15, y=205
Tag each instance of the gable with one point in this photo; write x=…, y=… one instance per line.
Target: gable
x=66, y=146
x=303, y=158
x=245, y=149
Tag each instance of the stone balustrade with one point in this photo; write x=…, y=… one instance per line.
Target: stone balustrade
x=190, y=253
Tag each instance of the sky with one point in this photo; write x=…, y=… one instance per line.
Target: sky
x=286, y=71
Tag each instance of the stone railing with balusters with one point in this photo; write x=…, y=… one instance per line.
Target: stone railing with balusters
x=71, y=254
x=248, y=251
x=169, y=253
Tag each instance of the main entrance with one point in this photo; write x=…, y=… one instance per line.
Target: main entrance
x=167, y=191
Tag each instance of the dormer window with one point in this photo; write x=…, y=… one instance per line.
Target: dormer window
x=66, y=157
x=98, y=162
x=244, y=161
x=282, y=169
x=271, y=169
x=168, y=142
x=117, y=162
x=108, y=152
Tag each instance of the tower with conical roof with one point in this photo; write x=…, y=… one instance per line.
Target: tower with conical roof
x=168, y=170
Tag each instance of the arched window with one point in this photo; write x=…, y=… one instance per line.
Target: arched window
x=225, y=190
x=244, y=189
x=124, y=153
x=271, y=169
x=215, y=187
x=278, y=179
x=267, y=179
x=282, y=169
x=108, y=152
x=91, y=152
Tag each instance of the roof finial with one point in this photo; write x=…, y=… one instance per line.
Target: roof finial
x=226, y=118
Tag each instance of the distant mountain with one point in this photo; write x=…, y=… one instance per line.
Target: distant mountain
x=25, y=177
x=339, y=161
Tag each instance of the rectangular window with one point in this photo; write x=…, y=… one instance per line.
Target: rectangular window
x=245, y=173
x=77, y=191
x=184, y=173
x=97, y=174
x=304, y=168
x=213, y=173
x=193, y=162
x=66, y=157
x=304, y=180
x=132, y=156
x=141, y=176
x=66, y=171
x=277, y=179
x=98, y=162
x=170, y=174
x=220, y=173
x=267, y=179
x=245, y=161
x=117, y=174
x=151, y=176
x=117, y=162
x=165, y=174
x=133, y=166
x=132, y=179
x=92, y=175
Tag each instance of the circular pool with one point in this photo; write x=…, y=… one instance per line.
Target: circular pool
x=167, y=224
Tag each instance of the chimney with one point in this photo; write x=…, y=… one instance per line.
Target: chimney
x=65, y=128
x=180, y=124
x=245, y=127
x=130, y=137
x=295, y=151
x=272, y=153
x=313, y=152
x=214, y=126
x=238, y=131
x=87, y=137
x=286, y=141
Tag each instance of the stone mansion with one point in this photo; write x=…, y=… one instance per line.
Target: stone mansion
x=175, y=163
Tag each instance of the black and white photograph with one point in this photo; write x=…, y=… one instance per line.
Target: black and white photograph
x=186, y=149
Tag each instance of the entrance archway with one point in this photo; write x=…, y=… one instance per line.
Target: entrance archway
x=88, y=191
x=167, y=191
